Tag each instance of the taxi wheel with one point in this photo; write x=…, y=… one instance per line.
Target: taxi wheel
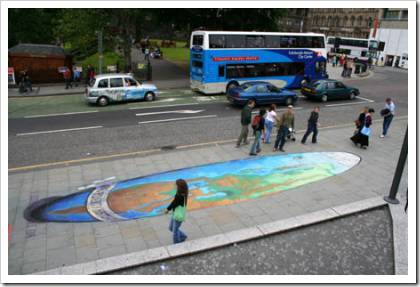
x=103, y=101
x=149, y=96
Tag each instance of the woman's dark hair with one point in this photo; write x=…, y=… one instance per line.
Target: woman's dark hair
x=272, y=107
x=181, y=187
x=262, y=112
x=371, y=110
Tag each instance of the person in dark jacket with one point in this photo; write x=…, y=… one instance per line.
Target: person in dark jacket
x=256, y=148
x=286, y=124
x=181, y=198
x=365, y=119
x=312, y=126
x=246, y=118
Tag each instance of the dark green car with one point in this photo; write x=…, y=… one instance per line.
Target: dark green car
x=325, y=90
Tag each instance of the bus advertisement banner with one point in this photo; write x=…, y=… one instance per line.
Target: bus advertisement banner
x=11, y=76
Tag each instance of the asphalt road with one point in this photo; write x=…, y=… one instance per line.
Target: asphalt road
x=41, y=140
x=359, y=244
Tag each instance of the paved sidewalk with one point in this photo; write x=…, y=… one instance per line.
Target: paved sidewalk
x=36, y=247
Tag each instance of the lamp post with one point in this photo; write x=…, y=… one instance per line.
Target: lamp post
x=398, y=172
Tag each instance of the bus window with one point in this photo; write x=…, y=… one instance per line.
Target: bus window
x=272, y=41
x=221, y=70
x=235, y=71
x=320, y=68
x=318, y=42
x=288, y=42
x=198, y=40
x=255, y=70
x=255, y=41
x=197, y=64
x=217, y=41
x=236, y=41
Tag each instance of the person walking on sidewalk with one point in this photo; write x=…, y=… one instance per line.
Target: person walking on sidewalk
x=246, y=118
x=76, y=76
x=256, y=148
x=25, y=79
x=287, y=121
x=312, y=126
x=88, y=74
x=180, y=200
x=388, y=114
x=146, y=53
x=269, y=122
x=67, y=78
x=365, y=120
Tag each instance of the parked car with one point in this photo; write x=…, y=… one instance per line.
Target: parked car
x=262, y=93
x=108, y=88
x=325, y=90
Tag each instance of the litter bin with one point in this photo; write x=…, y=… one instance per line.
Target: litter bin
x=364, y=68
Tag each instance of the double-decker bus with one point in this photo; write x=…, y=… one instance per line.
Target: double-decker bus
x=221, y=60
x=353, y=48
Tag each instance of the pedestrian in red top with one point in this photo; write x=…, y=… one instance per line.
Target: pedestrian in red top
x=67, y=78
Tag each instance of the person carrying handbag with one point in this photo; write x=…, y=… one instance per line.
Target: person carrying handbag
x=362, y=136
x=179, y=207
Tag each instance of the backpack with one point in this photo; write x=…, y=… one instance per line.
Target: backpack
x=256, y=122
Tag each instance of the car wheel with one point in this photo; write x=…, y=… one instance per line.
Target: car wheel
x=303, y=82
x=289, y=101
x=102, y=101
x=324, y=98
x=149, y=97
x=352, y=96
x=231, y=85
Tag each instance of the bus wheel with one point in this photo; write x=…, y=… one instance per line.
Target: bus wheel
x=103, y=101
x=289, y=101
x=231, y=85
x=324, y=98
x=304, y=81
x=352, y=96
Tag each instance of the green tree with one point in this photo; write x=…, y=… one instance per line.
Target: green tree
x=31, y=25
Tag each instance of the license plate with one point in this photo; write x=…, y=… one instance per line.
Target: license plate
x=306, y=89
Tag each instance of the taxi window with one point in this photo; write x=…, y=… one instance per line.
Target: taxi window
x=116, y=82
x=130, y=82
x=103, y=83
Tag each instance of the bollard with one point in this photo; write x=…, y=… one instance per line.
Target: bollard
x=398, y=172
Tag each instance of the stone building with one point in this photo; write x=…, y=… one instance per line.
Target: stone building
x=294, y=21
x=342, y=22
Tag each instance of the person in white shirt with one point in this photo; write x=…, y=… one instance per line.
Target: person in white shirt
x=269, y=122
x=388, y=116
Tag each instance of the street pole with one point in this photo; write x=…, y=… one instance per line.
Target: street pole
x=398, y=172
x=100, y=51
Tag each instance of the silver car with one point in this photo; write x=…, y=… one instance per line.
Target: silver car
x=107, y=88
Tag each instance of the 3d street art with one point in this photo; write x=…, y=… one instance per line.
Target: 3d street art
x=210, y=185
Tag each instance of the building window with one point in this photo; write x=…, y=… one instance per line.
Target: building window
x=369, y=22
x=352, y=21
x=336, y=21
x=360, y=21
x=323, y=21
x=371, y=10
x=393, y=15
x=314, y=21
x=329, y=21
x=345, y=21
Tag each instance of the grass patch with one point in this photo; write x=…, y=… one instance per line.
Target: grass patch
x=109, y=59
x=176, y=54
x=179, y=44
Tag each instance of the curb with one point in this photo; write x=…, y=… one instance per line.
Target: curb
x=115, y=263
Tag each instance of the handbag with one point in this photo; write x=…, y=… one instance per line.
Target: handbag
x=365, y=131
x=180, y=212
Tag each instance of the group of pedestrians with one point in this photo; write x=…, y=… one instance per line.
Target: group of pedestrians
x=90, y=73
x=264, y=122
x=263, y=127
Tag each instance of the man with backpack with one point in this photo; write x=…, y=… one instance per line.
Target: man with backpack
x=258, y=126
x=286, y=123
x=246, y=118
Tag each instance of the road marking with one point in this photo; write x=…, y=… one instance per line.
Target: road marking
x=59, y=131
x=163, y=106
x=370, y=101
x=280, y=110
x=177, y=119
x=65, y=114
x=149, y=103
x=358, y=103
x=170, y=112
x=157, y=150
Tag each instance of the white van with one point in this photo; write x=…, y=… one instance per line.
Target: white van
x=108, y=88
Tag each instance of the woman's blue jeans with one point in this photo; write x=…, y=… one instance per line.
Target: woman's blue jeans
x=269, y=126
x=256, y=144
x=178, y=235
